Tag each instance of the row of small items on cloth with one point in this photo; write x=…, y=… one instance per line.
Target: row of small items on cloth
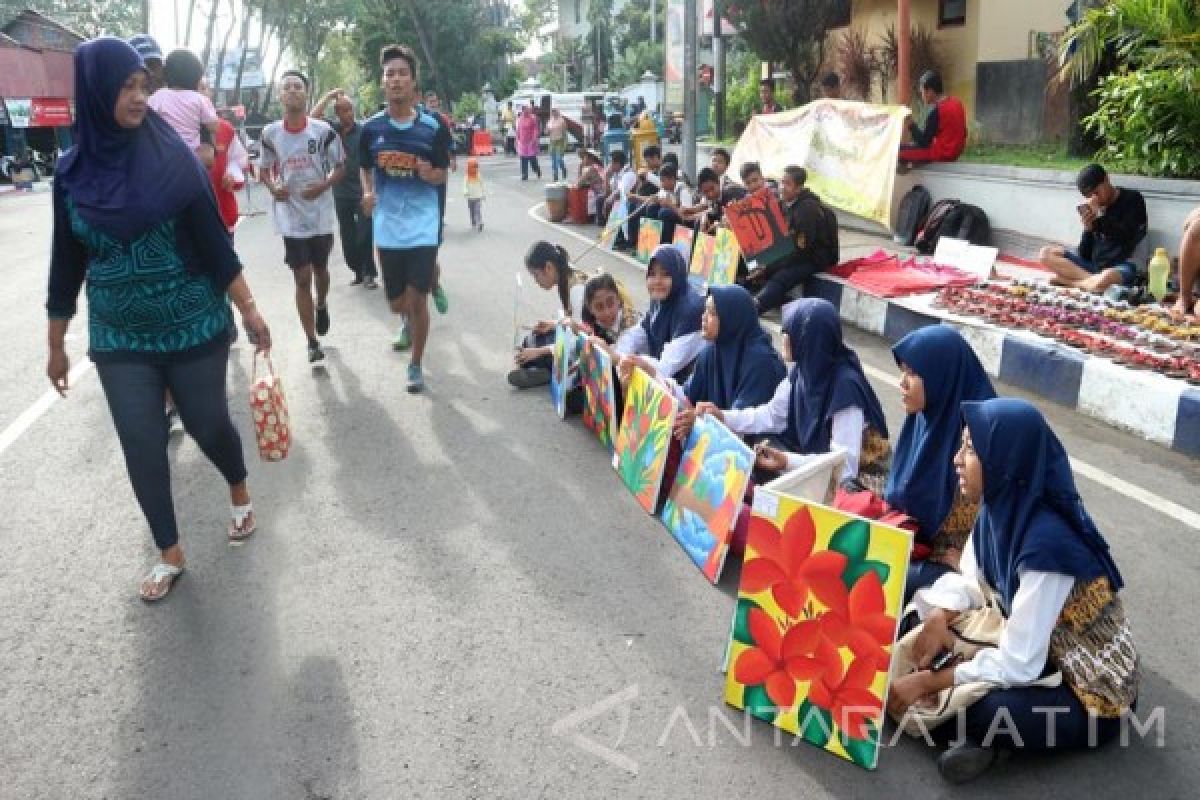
x=1138, y=337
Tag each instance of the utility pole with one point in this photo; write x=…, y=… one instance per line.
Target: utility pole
x=653, y=21
x=689, y=86
x=146, y=16
x=718, y=71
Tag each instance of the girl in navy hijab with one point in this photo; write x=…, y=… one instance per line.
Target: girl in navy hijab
x=940, y=372
x=1036, y=548
x=668, y=340
x=825, y=400
x=739, y=366
x=135, y=218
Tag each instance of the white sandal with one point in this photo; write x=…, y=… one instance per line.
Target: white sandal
x=243, y=525
x=160, y=572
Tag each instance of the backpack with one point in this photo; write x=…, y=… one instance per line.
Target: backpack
x=914, y=208
x=968, y=222
x=829, y=236
x=926, y=240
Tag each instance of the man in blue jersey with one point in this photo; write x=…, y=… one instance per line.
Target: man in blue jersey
x=404, y=154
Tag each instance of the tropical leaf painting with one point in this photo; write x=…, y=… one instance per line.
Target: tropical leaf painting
x=707, y=494
x=649, y=237
x=725, y=259
x=600, y=405
x=811, y=644
x=644, y=438
x=565, y=375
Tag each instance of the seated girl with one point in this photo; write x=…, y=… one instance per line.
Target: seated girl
x=1037, y=551
x=668, y=340
x=551, y=269
x=939, y=372
x=824, y=402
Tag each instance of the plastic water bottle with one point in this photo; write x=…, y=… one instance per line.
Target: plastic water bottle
x=1160, y=268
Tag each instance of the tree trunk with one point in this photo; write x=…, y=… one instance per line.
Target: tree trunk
x=208, y=34
x=187, y=31
x=244, y=43
x=426, y=50
x=266, y=101
x=225, y=45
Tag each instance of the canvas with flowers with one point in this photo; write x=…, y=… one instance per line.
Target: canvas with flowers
x=644, y=438
x=811, y=645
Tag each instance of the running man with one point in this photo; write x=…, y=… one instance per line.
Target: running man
x=433, y=105
x=302, y=158
x=404, y=155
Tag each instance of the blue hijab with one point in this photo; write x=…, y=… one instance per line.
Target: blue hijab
x=741, y=369
x=677, y=315
x=827, y=378
x=123, y=181
x=1032, y=516
x=922, y=482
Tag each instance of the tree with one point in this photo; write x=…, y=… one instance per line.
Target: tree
x=791, y=33
x=635, y=60
x=631, y=26
x=537, y=15
x=88, y=18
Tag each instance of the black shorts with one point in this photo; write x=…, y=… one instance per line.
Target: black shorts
x=413, y=266
x=309, y=251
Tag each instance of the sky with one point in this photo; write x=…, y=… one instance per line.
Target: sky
x=168, y=19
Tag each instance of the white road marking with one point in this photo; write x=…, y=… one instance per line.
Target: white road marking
x=1147, y=498
x=43, y=404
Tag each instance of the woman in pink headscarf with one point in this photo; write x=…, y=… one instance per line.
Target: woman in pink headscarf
x=528, y=133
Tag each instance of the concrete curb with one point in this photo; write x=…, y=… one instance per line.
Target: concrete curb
x=1153, y=406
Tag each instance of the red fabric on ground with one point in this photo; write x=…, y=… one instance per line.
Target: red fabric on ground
x=885, y=275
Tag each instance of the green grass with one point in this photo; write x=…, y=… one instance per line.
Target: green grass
x=1040, y=156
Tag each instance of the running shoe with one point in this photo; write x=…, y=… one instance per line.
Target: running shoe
x=440, y=301
x=315, y=353
x=322, y=320
x=402, y=341
x=416, y=380
x=371, y=283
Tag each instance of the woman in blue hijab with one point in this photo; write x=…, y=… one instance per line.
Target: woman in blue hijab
x=825, y=400
x=739, y=366
x=939, y=372
x=1034, y=547
x=668, y=340
x=135, y=218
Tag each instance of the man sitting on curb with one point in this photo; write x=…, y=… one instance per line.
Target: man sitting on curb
x=813, y=227
x=711, y=209
x=944, y=136
x=1114, y=222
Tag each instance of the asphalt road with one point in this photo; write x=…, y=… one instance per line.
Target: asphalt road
x=440, y=579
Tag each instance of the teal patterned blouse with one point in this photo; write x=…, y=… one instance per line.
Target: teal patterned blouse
x=159, y=297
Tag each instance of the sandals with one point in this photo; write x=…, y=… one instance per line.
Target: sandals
x=243, y=525
x=162, y=575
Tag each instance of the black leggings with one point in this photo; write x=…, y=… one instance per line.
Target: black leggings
x=135, y=393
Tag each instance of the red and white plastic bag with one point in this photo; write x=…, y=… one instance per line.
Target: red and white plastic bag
x=268, y=406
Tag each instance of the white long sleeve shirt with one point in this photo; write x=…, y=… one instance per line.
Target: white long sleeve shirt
x=772, y=417
x=1020, y=658
x=676, y=354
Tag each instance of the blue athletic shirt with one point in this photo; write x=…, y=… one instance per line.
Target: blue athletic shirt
x=407, y=212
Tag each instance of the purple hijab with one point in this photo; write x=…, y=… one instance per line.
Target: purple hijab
x=123, y=181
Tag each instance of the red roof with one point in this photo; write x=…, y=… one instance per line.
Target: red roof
x=33, y=73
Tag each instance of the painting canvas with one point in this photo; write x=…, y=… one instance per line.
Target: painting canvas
x=704, y=252
x=600, y=405
x=707, y=495
x=616, y=223
x=683, y=239
x=649, y=237
x=644, y=438
x=818, y=606
x=725, y=259
x=565, y=375
x=761, y=229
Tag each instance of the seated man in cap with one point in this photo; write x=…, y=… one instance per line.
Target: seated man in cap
x=150, y=52
x=1114, y=222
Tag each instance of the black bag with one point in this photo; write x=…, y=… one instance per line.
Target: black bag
x=914, y=208
x=966, y=221
x=926, y=240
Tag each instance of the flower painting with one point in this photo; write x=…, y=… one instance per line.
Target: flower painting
x=644, y=438
x=683, y=240
x=599, y=402
x=811, y=645
x=565, y=375
x=707, y=495
x=704, y=254
x=725, y=258
x=649, y=237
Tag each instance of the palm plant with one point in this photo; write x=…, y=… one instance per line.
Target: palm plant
x=1157, y=34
